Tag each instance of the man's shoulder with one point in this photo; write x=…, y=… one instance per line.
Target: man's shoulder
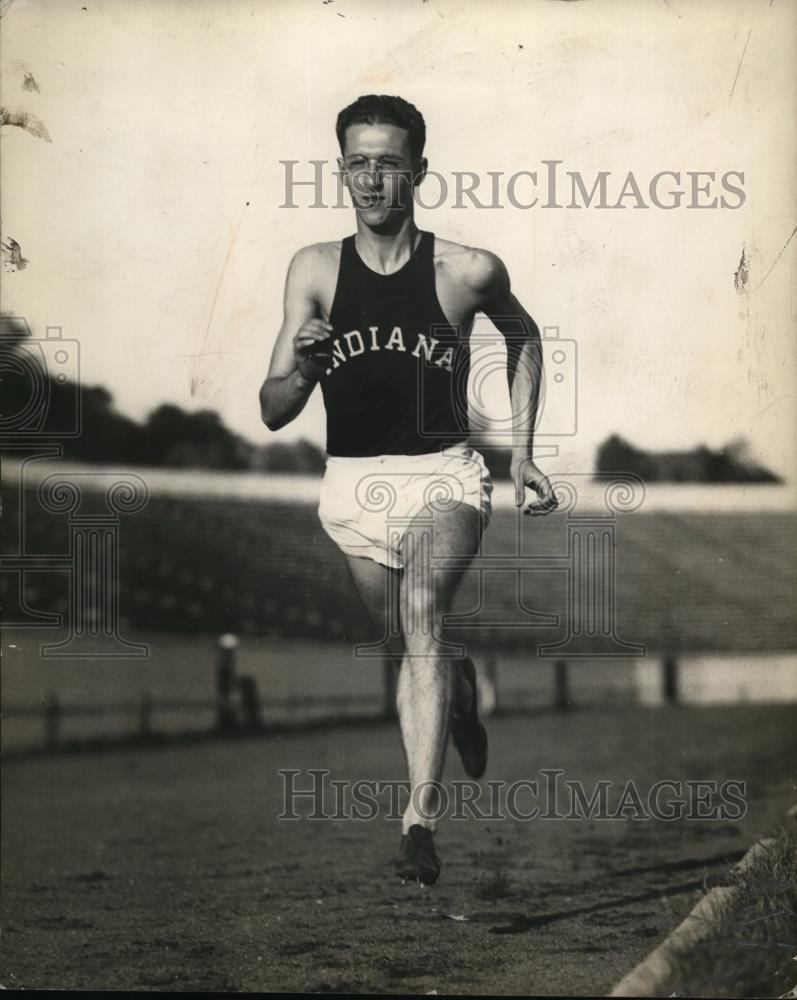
x=318, y=253
x=314, y=266
x=472, y=266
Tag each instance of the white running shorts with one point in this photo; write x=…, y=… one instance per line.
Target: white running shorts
x=366, y=504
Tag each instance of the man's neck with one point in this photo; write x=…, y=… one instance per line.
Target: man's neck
x=387, y=252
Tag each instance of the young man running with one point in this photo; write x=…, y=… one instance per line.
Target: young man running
x=381, y=320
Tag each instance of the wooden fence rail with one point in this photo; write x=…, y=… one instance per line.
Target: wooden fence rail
x=238, y=705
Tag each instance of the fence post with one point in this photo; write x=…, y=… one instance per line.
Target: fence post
x=52, y=722
x=250, y=703
x=226, y=716
x=145, y=715
x=487, y=681
x=670, y=680
x=561, y=697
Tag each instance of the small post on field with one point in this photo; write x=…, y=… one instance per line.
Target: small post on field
x=226, y=716
x=145, y=715
x=670, y=680
x=250, y=703
x=487, y=681
x=52, y=722
x=561, y=696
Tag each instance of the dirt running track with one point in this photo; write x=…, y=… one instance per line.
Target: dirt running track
x=166, y=868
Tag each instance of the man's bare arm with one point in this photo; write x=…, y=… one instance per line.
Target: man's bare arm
x=299, y=358
x=524, y=373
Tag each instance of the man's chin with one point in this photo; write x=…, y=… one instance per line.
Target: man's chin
x=381, y=219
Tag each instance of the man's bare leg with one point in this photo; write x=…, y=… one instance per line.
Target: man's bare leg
x=378, y=587
x=430, y=680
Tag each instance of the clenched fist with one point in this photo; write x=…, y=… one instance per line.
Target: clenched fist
x=312, y=348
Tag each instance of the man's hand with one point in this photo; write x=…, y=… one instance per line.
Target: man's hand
x=526, y=474
x=312, y=349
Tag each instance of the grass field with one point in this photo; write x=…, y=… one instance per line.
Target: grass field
x=164, y=866
x=749, y=951
x=167, y=868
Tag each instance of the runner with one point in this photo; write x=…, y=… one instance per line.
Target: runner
x=381, y=320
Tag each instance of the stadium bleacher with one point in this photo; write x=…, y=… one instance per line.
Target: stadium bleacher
x=684, y=581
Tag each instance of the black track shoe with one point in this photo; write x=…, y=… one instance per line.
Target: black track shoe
x=418, y=861
x=468, y=734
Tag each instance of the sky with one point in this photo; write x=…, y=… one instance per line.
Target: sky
x=155, y=234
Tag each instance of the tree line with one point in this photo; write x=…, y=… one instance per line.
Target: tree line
x=37, y=400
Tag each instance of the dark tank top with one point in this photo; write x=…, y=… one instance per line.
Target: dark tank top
x=397, y=382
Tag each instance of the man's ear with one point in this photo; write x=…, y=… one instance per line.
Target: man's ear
x=420, y=173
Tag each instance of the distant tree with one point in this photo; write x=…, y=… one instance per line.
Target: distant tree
x=741, y=465
x=22, y=376
x=170, y=436
x=105, y=435
x=617, y=455
x=730, y=464
x=175, y=437
x=298, y=457
x=13, y=330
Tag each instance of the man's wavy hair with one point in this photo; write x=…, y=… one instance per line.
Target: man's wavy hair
x=381, y=109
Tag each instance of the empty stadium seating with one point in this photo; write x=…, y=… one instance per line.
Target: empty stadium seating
x=684, y=581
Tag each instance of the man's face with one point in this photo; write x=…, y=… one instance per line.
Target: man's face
x=380, y=172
